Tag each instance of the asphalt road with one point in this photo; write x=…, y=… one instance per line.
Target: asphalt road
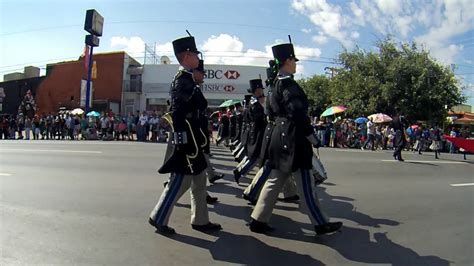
x=88, y=203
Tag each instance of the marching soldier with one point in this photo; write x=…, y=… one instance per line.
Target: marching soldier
x=292, y=131
x=252, y=191
x=223, y=131
x=184, y=158
x=256, y=129
x=198, y=75
x=240, y=150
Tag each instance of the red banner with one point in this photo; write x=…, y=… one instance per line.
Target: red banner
x=466, y=144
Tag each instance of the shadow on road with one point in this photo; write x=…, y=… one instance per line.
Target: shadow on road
x=247, y=250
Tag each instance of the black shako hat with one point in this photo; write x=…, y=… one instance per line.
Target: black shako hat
x=185, y=44
x=254, y=85
x=247, y=98
x=200, y=67
x=281, y=52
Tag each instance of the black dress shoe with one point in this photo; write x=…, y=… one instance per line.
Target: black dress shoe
x=211, y=200
x=247, y=198
x=237, y=175
x=207, y=227
x=327, y=228
x=162, y=229
x=214, y=178
x=292, y=199
x=259, y=227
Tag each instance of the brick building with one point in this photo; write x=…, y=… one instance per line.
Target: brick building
x=62, y=86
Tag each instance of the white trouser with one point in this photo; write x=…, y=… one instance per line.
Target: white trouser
x=308, y=204
x=177, y=185
x=209, y=172
x=253, y=190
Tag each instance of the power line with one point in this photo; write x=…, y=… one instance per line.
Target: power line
x=161, y=21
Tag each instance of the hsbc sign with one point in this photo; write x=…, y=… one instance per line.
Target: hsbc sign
x=219, y=74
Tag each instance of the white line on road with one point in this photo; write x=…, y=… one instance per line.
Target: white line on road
x=419, y=161
x=462, y=185
x=38, y=150
x=5, y=174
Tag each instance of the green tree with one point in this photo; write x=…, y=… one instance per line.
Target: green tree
x=317, y=90
x=399, y=76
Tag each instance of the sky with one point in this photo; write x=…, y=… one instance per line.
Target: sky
x=239, y=32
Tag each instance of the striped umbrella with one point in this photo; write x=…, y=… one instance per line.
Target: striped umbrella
x=334, y=110
x=380, y=118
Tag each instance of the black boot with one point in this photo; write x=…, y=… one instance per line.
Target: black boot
x=237, y=175
x=259, y=227
x=162, y=229
x=327, y=228
x=247, y=198
x=292, y=199
x=207, y=227
x=211, y=200
x=214, y=178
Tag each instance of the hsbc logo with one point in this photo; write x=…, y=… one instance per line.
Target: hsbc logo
x=232, y=74
x=229, y=88
x=218, y=74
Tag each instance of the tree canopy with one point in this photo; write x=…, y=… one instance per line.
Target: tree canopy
x=396, y=76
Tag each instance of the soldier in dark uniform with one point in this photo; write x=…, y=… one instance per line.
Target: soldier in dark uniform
x=223, y=131
x=238, y=125
x=232, y=123
x=252, y=191
x=256, y=130
x=198, y=75
x=400, y=141
x=240, y=150
x=292, y=131
x=184, y=158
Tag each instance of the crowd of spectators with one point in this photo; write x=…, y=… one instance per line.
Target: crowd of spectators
x=346, y=133
x=66, y=126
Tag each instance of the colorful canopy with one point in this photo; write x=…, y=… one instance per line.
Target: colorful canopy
x=77, y=111
x=380, y=118
x=93, y=113
x=334, y=110
x=228, y=103
x=361, y=120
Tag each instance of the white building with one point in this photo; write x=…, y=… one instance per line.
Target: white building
x=222, y=82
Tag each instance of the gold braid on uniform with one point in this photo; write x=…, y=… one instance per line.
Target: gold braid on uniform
x=168, y=118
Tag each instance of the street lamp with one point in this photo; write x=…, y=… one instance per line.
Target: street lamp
x=94, y=24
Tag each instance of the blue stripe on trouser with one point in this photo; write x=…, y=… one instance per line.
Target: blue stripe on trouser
x=313, y=208
x=260, y=182
x=169, y=199
x=247, y=167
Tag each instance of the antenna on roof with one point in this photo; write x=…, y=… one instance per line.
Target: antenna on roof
x=289, y=38
x=189, y=33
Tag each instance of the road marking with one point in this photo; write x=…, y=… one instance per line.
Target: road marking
x=5, y=174
x=462, y=185
x=419, y=161
x=38, y=150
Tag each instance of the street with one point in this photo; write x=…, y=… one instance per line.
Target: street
x=76, y=202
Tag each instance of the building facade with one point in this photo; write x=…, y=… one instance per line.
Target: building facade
x=221, y=82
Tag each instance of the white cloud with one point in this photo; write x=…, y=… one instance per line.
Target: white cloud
x=229, y=49
x=320, y=38
x=306, y=30
x=434, y=22
x=327, y=17
x=134, y=46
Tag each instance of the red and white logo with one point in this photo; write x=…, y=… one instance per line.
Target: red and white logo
x=232, y=74
x=229, y=88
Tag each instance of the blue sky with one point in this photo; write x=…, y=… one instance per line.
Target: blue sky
x=239, y=32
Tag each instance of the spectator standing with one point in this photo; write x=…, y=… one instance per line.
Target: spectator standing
x=28, y=125
x=370, y=135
